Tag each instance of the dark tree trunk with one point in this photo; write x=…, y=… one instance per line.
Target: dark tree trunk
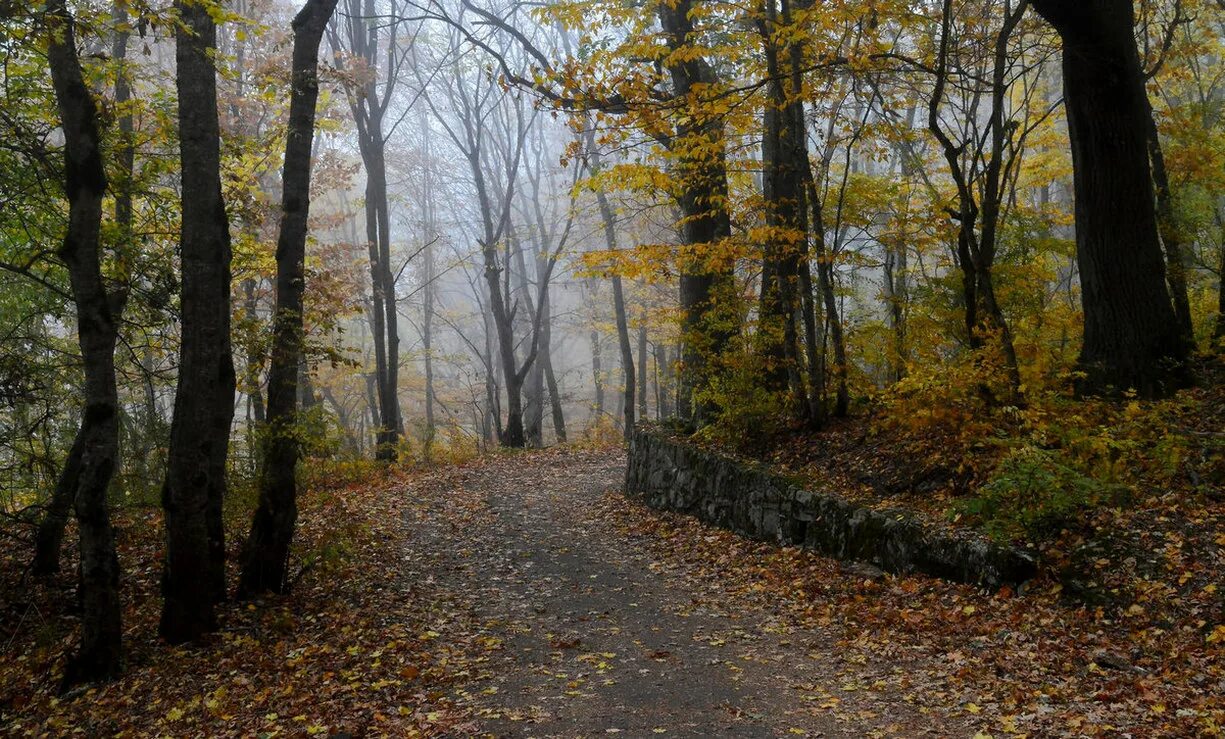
x=533, y=394
x=427, y=299
x=608, y=221
x=427, y=342
x=663, y=399
x=628, y=378
x=895, y=304
x=833, y=322
x=1171, y=235
x=100, y=656
x=372, y=403
x=1132, y=338
x=813, y=349
x=361, y=37
x=193, y=578
x=559, y=415
x=544, y=363
x=707, y=222
x=383, y=314
x=641, y=386
x=266, y=552
x=49, y=538
x=784, y=152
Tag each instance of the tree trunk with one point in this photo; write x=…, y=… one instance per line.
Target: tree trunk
x=194, y=570
x=385, y=318
x=266, y=552
x=701, y=170
x=628, y=378
x=559, y=416
x=825, y=285
x=100, y=656
x=49, y=538
x=1171, y=236
x=813, y=349
x=427, y=342
x=362, y=39
x=895, y=305
x=1131, y=339
x=427, y=299
x=662, y=398
x=641, y=385
x=784, y=151
x=533, y=395
x=825, y=281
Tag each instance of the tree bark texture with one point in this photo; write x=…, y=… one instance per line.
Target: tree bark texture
x=96, y=448
x=706, y=221
x=265, y=565
x=1132, y=338
x=193, y=578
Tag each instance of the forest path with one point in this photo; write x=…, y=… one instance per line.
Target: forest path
x=588, y=628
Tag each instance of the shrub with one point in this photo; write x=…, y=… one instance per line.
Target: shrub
x=1034, y=493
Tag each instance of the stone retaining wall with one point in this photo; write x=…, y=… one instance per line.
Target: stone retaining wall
x=671, y=475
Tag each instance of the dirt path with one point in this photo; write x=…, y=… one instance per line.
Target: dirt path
x=587, y=632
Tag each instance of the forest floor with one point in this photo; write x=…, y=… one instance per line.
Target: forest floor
x=523, y=595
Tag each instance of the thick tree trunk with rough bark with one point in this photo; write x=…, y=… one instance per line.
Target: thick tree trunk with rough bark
x=1131, y=338
x=703, y=204
x=266, y=552
x=100, y=656
x=784, y=153
x=193, y=578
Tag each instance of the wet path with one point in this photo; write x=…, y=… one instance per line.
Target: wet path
x=588, y=633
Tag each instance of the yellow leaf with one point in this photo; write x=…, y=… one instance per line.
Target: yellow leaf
x=973, y=708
